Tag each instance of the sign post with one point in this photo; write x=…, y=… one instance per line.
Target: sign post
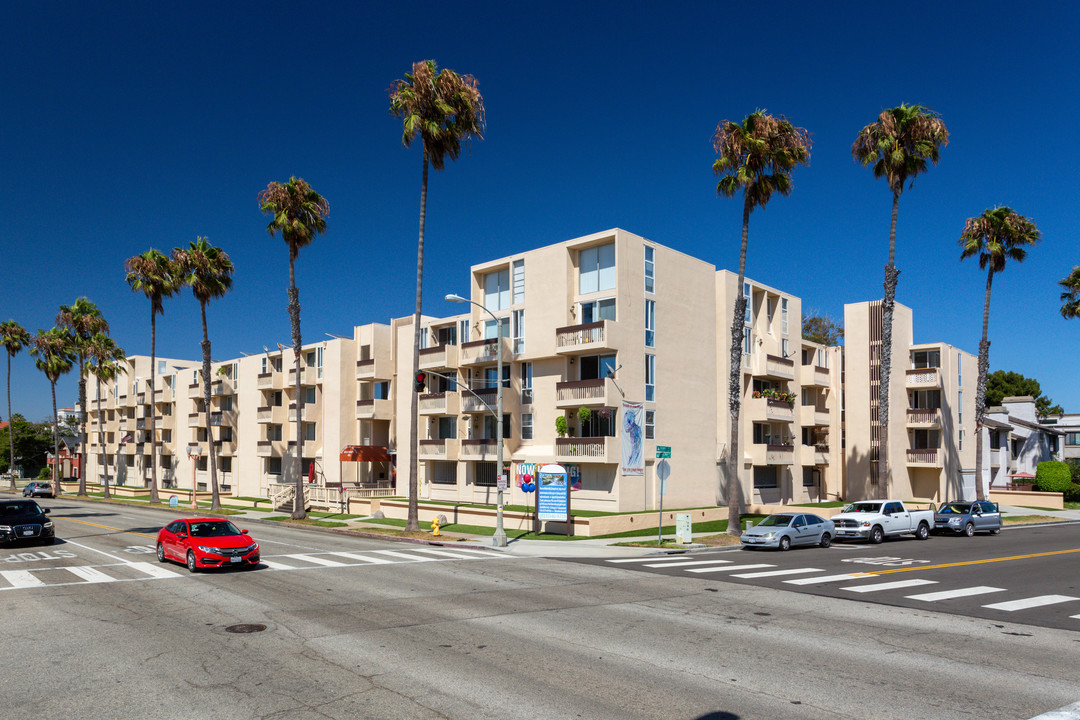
x=194, y=452
x=663, y=469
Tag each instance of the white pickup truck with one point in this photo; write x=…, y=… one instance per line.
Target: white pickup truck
x=874, y=520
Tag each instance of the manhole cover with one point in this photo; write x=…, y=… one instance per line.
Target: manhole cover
x=245, y=628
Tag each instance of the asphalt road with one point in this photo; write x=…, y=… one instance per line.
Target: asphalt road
x=95, y=628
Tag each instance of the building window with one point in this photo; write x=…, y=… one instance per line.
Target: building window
x=491, y=376
x=226, y=403
x=463, y=331
x=785, y=348
x=598, y=310
x=485, y=474
x=526, y=426
x=273, y=432
x=444, y=473
x=273, y=466
x=784, y=317
x=596, y=269
x=748, y=317
x=200, y=463
x=811, y=477
x=650, y=424
x=926, y=359
x=497, y=290
x=226, y=464
x=960, y=408
x=490, y=333
x=519, y=282
x=381, y=390
x=650, y=323
x=1072, y=439
x=596, y=367
x=309, y=395
x=770, y=308
x=491, y=431
x=746, y=337
x=447, y=428
x=518, y=317
x=762, y=433
x=526, y=383
x=995, y=440
x=650, y=378
x=959, y=370
x=960, y=441
x=225, y=434
x=764, y=476
x=650, y=269
x=309, y=431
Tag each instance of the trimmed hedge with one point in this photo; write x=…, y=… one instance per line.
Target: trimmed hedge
x=1053, y=476
x=1072, y=494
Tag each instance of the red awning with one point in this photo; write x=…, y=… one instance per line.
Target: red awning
x=364, y=453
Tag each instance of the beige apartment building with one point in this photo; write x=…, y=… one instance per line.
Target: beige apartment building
x=931, y=428
x=611, y=345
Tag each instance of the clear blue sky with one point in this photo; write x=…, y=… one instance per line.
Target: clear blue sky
x=126, y=126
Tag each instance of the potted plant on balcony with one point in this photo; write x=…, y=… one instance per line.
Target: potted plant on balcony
x=584, y=414
x=560, y=425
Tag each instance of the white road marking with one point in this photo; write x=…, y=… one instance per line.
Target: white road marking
x=638, y=559
x=895, y=585
x=90, y=575
x=100, y=552
x=276, y=565
x=1069, y=712
x=774, y=573
x=404, y=556
x=950, y=594
x=687, y=563
x=154, y=571
x=1031, y=602
x=363, y=558
x=21, y=578
x=728, y=569
x=317, y=560
x=826, y=579
x=474, y=551
x=446, y=554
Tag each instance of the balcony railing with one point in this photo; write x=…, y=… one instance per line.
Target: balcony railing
x=266, y=381
x=309, y=412
x=811, y=415
x=587, y=449
x=779, y=367
x=472, y=404
x=264, y=414
x=577, y=393
x=440, y=357
x=814, y=376
x=924, y=416
x=444, y=403
x=374, y=409
x=265, y=448
x=193, y=420
x=587, y=336
x=779, y=454
x=480, y=449
x=766, y=409
x=923, y=377
x=441, y=449
x=923, y=456
x=480, y=352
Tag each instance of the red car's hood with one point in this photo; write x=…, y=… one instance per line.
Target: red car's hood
x=229, y=541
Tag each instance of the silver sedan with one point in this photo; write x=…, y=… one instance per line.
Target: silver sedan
x=782, y=530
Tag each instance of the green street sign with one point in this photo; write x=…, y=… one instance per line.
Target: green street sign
x=663, y=451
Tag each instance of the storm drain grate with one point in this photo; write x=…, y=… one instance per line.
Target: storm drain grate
x=245, y=628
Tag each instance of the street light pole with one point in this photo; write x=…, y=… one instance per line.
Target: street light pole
x=499, y=538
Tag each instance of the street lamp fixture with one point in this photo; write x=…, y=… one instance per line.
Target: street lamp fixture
x=499, y=538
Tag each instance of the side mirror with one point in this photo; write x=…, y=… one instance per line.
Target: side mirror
x=182, y=536
x=46, y=511
x=243, y=532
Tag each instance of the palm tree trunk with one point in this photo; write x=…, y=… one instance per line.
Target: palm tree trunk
x=215, y=500
x=82, y=427
x=299, y=510
x=413, y=522
x=11, y=429
x=885, y=364
x=153, y=425
x=101, y=440
x=980, y=389
x=734, y=463
x=56, y=444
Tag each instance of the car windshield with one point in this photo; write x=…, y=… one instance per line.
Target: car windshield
x=213, y=528
x=863, y=508
x=776, y=521
x=962, y=508
x=20, y=508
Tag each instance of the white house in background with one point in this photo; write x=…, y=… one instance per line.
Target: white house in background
x=1069, y=425
x=1015, y=441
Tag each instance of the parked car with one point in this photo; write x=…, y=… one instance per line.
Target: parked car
x=38, y=489
x=25, y=521
x=782, y=530
x=206, y=543
x=875, y=520
x=968, y=517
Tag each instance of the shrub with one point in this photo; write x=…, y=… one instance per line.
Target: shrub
x=560, y=425
x=45, y=475
x=1074, y=467
x=1053, y=476
x=1072, y=494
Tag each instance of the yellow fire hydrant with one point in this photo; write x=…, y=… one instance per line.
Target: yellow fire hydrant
x=435, y=526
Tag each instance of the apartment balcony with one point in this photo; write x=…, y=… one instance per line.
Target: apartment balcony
x=221, y=387
x=375, y=409
x=482, y=449
x=924, y=378
x=442, y=357
x=925, y=457
x=308, y=376
x=218, y=419
x=444, y=403
x=163, y=394
x=586, y=393
x=810, y=415
x=308, y=448
x=777, y=368
x=484, y=352
x=821, y=454
x=140, y=399
x=588, y=450
x=265, y=414
x=471, y=403
x=998, y=457
x=769, y=409
x=142, y=424
x=194, y=420
x=762, y=454
x=813, y=376
x=586, y=338
x=195, y=391
x=268, y=381
x=265, y=448
x=924, y=417
x=310, y=412
x=444, y=449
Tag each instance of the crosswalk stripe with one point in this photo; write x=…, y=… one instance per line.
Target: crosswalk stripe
x=825, y=579
x=728, y=568
x=152, y=570
x=363, y=558
x=21, y=578
x=950, y=594
x=404, y=556
x=636, y=559
x=1030, y=602
x=774, y=573
x=687, y=563
x=895, y=585
x=275, y=565
x=482, y=553
x=90, y=574
x=316, y=559
x=446, y=554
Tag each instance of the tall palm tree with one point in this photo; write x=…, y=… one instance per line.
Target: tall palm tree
x=154, y=275
x=755, y=157
x=53, y=350
x=1071, y=297
x=15, y=338
x=898, y=147
x=208, y=270
x=82, y=320
x=445, y=109
x=104, y=360
x=996, y=236
x=299, y=214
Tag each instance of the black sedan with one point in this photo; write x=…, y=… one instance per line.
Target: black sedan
x=38, y=489
x=25, y=521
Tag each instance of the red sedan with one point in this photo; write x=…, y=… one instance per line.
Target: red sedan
x=206, y=543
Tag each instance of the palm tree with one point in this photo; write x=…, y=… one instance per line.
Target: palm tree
x=996, y=236
x=154, y=275
x=898, y=147
x=82, y=320
x=1071, y=297
x=445, y=109
x=755, y=157
x=54, y=352
x=104, y=360
x=15, y=338
x=299, y=214
x=208, y=270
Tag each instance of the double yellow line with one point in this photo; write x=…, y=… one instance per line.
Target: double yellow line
x=967, y=562
x=105, y=527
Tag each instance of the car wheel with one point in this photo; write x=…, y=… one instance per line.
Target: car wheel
x=876, y=535
x=826, y=540
x=192, y=566
x=160, y=552
x=995, y=531
x=922, y=532
x=969, y=529
x=785, y=543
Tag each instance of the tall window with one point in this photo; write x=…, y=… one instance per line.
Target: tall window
x=526, y=426
x=785, y=347
x=447, y=427
x=518, y=330
x=960, y=408
x=596, y=269
x=650, y=378
x=309, y=431
x=526, y=383
x=598, y=310
x=650, y=269
x=783, y=316
x=318, y=361
x=959, y=370
x=309, y=395
x=497, y=290
x=463, y=330
x=650, y=424
x=519, y=282
x=273, y=466
x=748, y=317
x=650, y=323
x=746, y=337
x=489, y=328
